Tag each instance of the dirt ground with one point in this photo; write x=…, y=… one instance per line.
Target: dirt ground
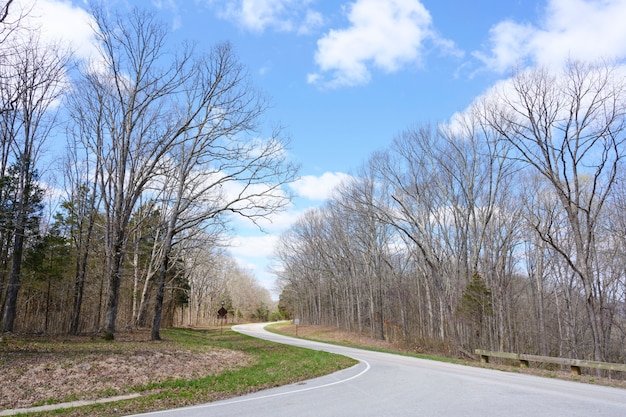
x=35, y=376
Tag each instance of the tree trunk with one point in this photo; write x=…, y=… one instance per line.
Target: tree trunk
x=13, y=286
x=155, y=334
x=115, y=280
x=81, y=273
x=166, y=251
x=142, y=315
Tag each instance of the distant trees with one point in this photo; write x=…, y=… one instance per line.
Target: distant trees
x=499, y=230
x=215, y=278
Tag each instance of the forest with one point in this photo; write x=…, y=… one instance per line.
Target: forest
x=154, y=147
x=503, y=229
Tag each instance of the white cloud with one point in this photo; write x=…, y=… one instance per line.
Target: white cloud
x=570, y=29
x=59, y=21
x=254, y=253
x=312, y=20
x=386, y=34
x=280, y=15
x=280, y=221
x=319, y=188
x=253, y=246
x=274, y=223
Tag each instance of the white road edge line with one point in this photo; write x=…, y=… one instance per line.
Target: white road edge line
x=261, y=397
x=279, y=394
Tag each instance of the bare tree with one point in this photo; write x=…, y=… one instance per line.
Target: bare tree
x=81, y=184
x=570, y=127
x=247, y=297
x=207, y=281
x=37, y=75
x=10, y=30
x=133, y=84
x=220, y=152
x=4, y=11
x=174, y=117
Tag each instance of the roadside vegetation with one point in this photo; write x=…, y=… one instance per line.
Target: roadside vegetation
x=341, y=337
x=500, y=230
x=188, y=367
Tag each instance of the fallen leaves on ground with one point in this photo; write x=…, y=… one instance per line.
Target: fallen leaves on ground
x=36, y=374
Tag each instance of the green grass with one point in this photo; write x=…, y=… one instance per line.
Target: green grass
x=271, y=365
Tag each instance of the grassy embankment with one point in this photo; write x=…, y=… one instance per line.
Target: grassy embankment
x=269, y=365
x=351, y=339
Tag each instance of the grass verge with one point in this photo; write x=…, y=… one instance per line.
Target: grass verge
x=269, y=365
x=350, y=339
x=325, y=335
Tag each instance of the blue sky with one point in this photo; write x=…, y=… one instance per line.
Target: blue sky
x=345, y=77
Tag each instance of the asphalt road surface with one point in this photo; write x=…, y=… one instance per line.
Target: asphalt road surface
x=398, y=386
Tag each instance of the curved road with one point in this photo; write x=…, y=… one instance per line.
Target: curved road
x=398, y=386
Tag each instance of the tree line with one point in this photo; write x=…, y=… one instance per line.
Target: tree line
x=503, y=229
x=163, y=144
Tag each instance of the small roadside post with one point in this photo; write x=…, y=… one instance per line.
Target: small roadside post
x=296, y=322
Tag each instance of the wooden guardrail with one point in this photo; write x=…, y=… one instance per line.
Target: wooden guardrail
x=574, y=364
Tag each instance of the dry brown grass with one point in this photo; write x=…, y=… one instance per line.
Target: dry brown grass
x=44, y=370
x=334, y=335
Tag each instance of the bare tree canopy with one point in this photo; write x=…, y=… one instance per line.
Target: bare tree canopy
x=166, y=144
x=34, y=79
x=179, y=125
x=571, y=128
x=501, y=229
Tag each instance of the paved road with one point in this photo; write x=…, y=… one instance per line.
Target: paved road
x=398, y=386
